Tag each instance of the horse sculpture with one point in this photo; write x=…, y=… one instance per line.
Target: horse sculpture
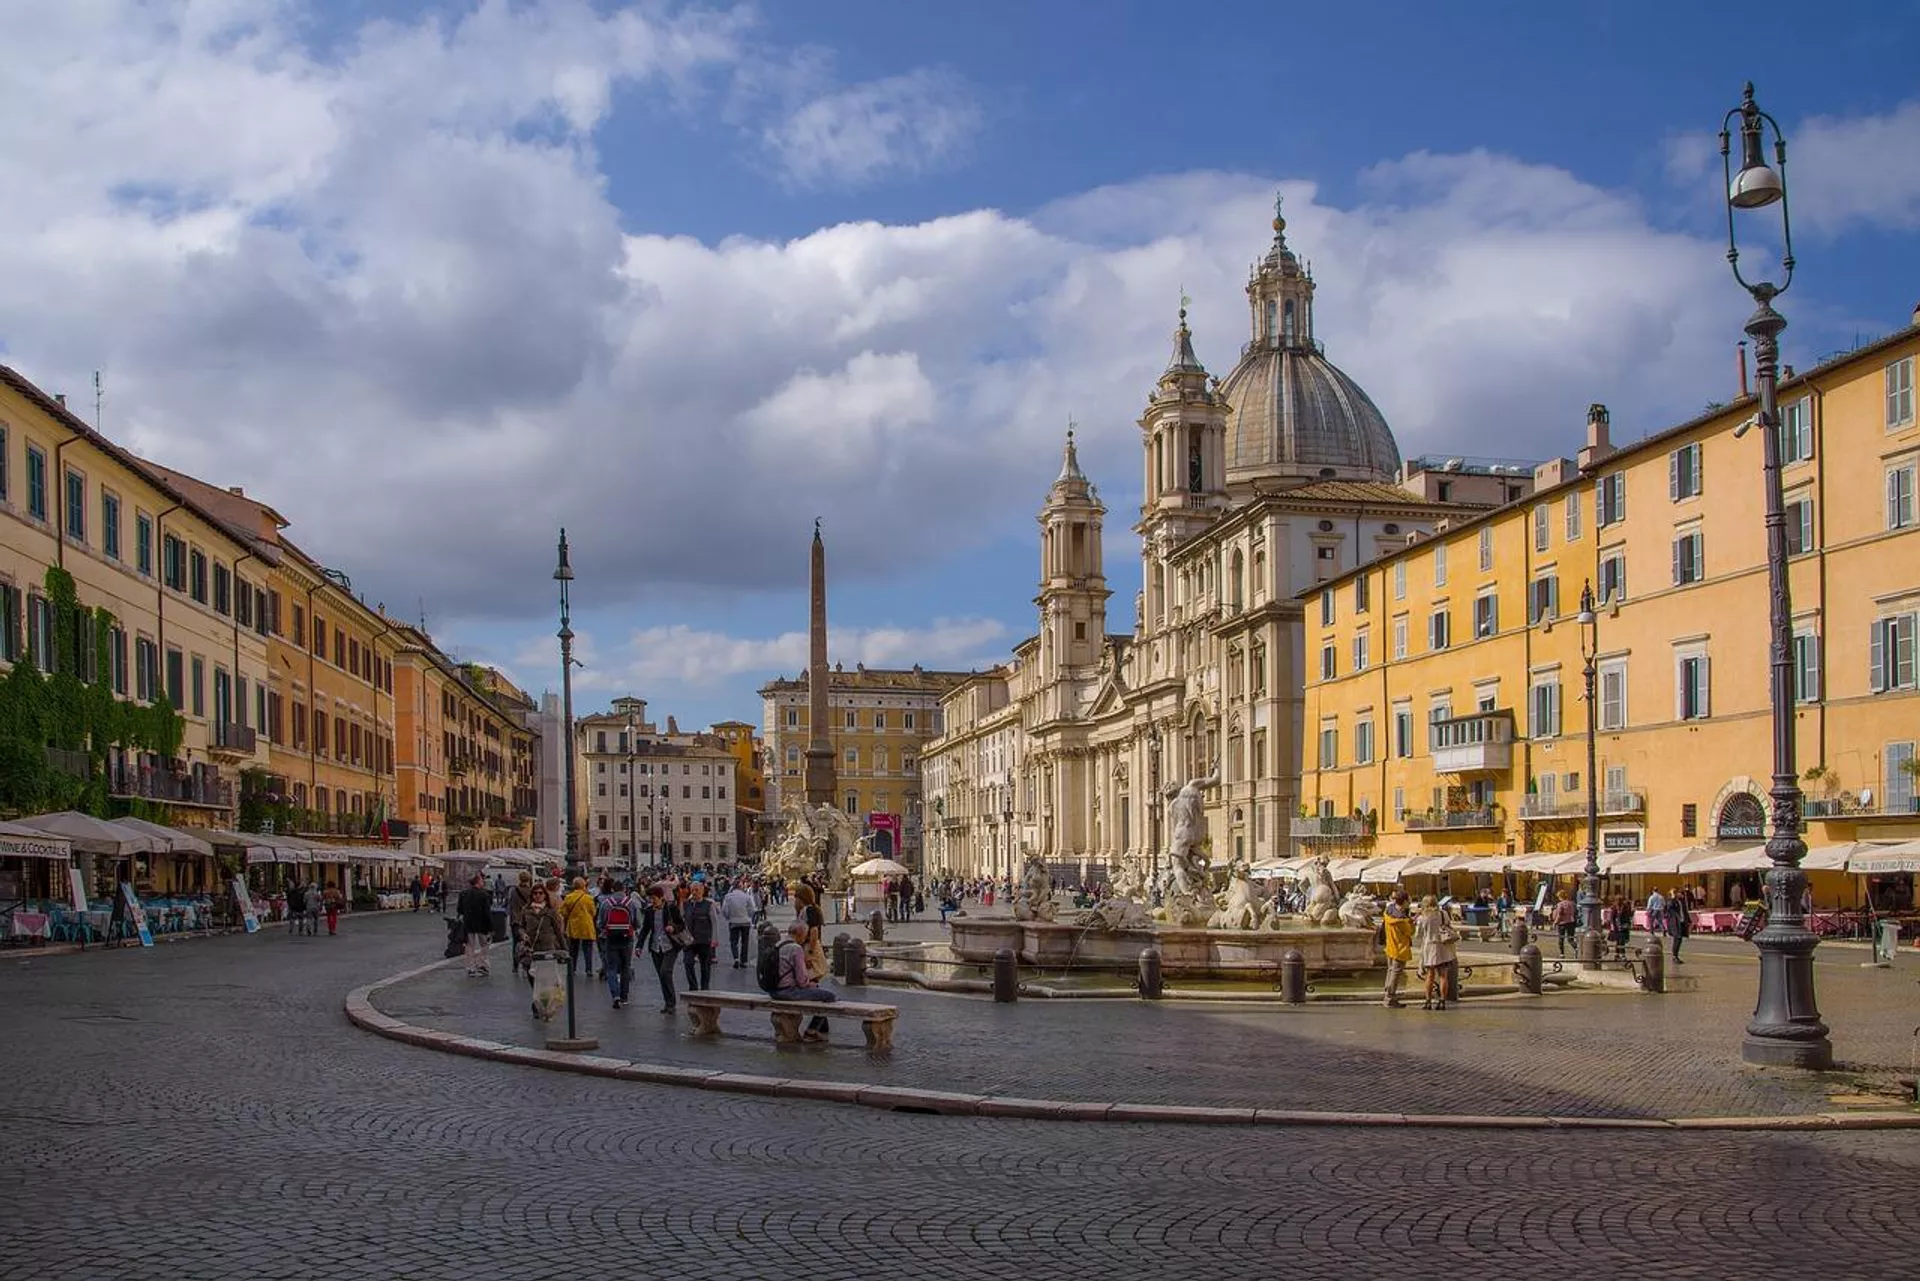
x=1323, y=900
x=822, y=839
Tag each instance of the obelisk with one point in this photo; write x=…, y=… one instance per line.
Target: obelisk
x=822, y=782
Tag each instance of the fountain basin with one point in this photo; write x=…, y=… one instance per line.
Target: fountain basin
x=1185, y=952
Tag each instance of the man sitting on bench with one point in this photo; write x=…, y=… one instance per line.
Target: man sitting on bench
x=796, y=981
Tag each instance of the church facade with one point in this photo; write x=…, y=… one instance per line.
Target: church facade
x=1256, y=488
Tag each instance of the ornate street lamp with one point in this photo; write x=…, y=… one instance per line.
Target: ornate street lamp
x=633, y=750
x=1155, y=804
x=564, y=576
x=1786, y=1030
x=1590, y=881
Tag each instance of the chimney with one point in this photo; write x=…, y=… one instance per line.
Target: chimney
x=1786, y=372
x=237, y=491
x=1743, y=368
x=1599, y=444
x=673, y=727
x=60, y=399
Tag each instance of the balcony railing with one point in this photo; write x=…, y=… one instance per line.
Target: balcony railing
x=1331, y=828
x=1481, y=743
x=1434, y=821
x=175, y=787
x=239, y=740
x=1574, y=805
x=1850, y=807
x=78, y=764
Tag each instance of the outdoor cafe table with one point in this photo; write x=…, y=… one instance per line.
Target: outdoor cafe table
x=1716, y=921
x=30, y=925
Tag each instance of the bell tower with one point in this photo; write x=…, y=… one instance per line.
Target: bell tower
x=1184, y=430
x=1073, y=582
x=1280, y=295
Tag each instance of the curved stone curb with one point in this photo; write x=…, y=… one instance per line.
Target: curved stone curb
x=360, y=1010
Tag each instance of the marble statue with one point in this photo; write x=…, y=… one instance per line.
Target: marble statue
x=1323, y=900
x=1034, y=902
x=1187, y=852
x=821, y=839
x=1356, y=911
x=1244, y=909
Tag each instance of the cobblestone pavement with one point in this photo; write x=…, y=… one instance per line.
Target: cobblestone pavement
x=205, y=1111
x=1612, y=1053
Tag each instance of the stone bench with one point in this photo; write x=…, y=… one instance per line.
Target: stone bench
x=876, y=1020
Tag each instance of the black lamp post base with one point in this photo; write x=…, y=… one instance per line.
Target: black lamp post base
x=1786, y=1029
x=1815, y=1054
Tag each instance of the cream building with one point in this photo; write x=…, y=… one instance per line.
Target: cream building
x=1281, y=476
x=653, y=795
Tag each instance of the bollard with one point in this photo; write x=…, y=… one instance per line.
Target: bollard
x=1006, y=976
x=1592, y=945
x=1293, y=977
x=837, y=963
x=1655, y=978
x=1151, y=983
x=1518, y=936
x=856, y=975
x=876, y=926
x=1526, y=970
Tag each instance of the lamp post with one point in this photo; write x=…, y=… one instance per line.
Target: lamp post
x=1786, y=1029
x=1590, y=881
x=1007, y=821
x=1155, y=803
x=564, y=575
x=633, y=750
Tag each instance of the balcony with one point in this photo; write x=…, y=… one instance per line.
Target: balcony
x=458, y=765
x=230, y=740
x=1850, y=808
x=173, y=787
x=76, y=764
x=1451, y=820
x=1563, y=805
x=1477, y=744
x=1331, y=828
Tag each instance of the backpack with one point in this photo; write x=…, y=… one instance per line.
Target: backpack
x=767, y=970
x=619, y=916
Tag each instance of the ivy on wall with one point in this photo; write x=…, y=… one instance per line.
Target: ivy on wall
x=74, y=712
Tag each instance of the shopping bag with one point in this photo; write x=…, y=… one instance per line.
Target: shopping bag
x=549, y=986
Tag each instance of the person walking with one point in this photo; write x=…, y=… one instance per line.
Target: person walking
x=616, y=922
x=419, y=891
x=797, y=981
x=738, y=909
x=296, y=908
x=807, y=913
x=661, y=929
x=577, y=910
x=1397, y=927
x=1435, y=937
x=316, y=900
x=702, y=916
x=333, y=900
x=1679, y=923
x=1656, y=916
x=475, y=908
x=538, y=931
x=516, y=904
x=1564, y=920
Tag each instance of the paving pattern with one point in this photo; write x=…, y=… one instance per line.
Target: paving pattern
x=204, y=1110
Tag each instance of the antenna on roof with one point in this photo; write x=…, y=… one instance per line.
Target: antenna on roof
x=423, y=613
x=96, y=400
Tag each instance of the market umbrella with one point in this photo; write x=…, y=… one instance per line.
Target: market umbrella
x=19, y=841
x=171, y=839
x=91, y=835
x=875, y=867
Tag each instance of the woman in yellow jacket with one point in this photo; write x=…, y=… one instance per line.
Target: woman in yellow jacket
x=578, y=909
x=1397, y=928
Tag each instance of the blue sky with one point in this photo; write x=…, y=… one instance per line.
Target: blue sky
x=435, y=279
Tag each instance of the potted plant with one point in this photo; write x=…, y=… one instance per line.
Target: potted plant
x=1911, y=768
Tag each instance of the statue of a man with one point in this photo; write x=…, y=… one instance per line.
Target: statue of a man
x=1187, y=828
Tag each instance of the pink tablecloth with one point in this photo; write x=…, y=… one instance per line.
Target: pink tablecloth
x=32, y=925
x=1716, y=922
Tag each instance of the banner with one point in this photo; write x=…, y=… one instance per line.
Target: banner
x=77, y=886
x=136, y=913
x=245, y=900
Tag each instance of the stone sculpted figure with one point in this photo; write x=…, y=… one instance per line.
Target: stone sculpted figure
x=1187, y=832
x=1323, y=900
x=1356, y=911
x=1244, y=908
x=1035, y=899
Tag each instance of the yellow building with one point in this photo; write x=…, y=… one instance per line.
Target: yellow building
x=1444, y=708
x=464, y=753
x=184, y=603
x=749, y=773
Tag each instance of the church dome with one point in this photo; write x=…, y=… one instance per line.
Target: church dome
x=1293, y=413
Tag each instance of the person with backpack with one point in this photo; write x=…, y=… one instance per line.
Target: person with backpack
x=703, y=923
x=662, y=933
x=475, y=907
x=296, y=908
x=786, y=975
x=616, y=923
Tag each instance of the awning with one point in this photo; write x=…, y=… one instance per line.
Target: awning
x=90, y=835
x=1437, y=864
x=1486, y=863
x=19, y=841
x=1666, y=863
x=1749, y=858
x=1886, y=859
x=1384, y=871
x=1347, y=869
x=172, y=840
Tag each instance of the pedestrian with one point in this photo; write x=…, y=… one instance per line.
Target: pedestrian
x=296, y=908
x=1656, y=916
x=739, y=908
x=702, y=916
x=1679, y=924
x=661, y=929
x=797, y=981
x=539, y=931
x=1564, y=920
x=419, y=891
x=475, y=908
x=1620, y=926
x=807, y=912
x=1436, y=938
x=334, y=900
x=1398, y=941
x=576, y=909
x=316, y=901
x=615, y=921
x=1502, y=909
x=516, y=904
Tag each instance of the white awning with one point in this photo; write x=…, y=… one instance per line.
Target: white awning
x=1486, y=863
x=1885, y=859
x=1384, y=871
x=1347, y=869
x=172, y=839
x=91, y=835
x=19, y=841
x=1666, y=863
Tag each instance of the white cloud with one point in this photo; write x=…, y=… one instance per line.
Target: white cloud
x=851, y=135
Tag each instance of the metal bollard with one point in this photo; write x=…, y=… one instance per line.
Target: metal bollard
x=1655, y=977
x=1592, y=945
x=838, y=962
x=876, y=926
x=1006, y=976
x=1293, y=977
x=1526, y=970
x=1151, y=982
x=1517, y=937
x=856, y=960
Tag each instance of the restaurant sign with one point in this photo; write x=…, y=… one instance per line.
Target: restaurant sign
x=1625, y=841
x=1741, y=819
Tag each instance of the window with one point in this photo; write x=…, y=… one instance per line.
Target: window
x=1890, y=654
x=222, y=590
x=1486, y=548
x=909, y=721
x=1439, y=564
x=1326, y=609
x=110, y=525
x=1400, y=637
x=793, y=718
x=319, y=649
x=851, y=718
x=1403, y=732
x=76, y=506
x=853, y=757
x=4, y=475
x=36, y=483
x=1613, y=577
x=1439, y=634
x=10, y=619
x=1799, y=527
x=1400, y=580
x=1900, y=496
x=1361, y=594
x=339, y=648
x=242, y=601
x=1542, y=527
x=197, y=575
x=1796, y=431
x=1327, y=663
x=1573, y=516
x=1898, y=788
x=146, y=669
x=1683, y=472
x=1543, y=710
x=1610, y=499
x=143, y=543
x=1363, y=743
x=199, y=689
x=1486, y=616
x=1689, y=558
x=1329, y=746
x=176, y=678
x=1900, y=393
x=1543, y=599
x=40, y=633
x=1360, y=651
x=1613, y=695
x=1691, y=688
x=1806, y=667
x=1257, y=667
x=117, y=658
x=793, y=756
